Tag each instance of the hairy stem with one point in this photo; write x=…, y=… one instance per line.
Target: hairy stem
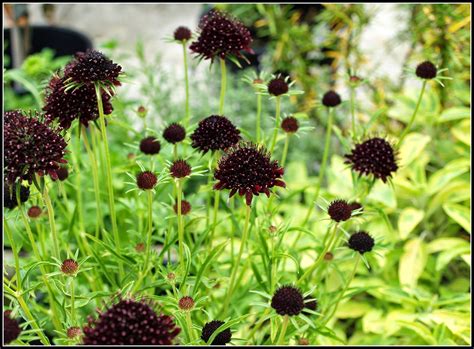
x=223, y=86
x=259, y=114
x=186, y=81
x=284, y=327
x=412, y=119
x=277, y=124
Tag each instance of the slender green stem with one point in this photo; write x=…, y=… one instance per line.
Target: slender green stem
x=175, y=151
x=259, y=114
x=223, y=86
x=73, y=310
x=215, y=212
x=284, y=326
x=15, y=253
x=75, y=156
x=259, y=324
x=52, y=222
x=354, y=132
x=235, y=267
x=412, y=119
x=277, y=124
x=180, y=225
x=322, y=170
x=186, y=80
x=285, y=150
x=150, y=230
x=109, y=175
x=311, y=269
x=189, y=324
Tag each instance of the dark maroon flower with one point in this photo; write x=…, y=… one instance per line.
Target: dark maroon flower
x=215, y=133
x=130, y=322
x=180, y=169
x=288, y=300
x=62, y=173
x=374, y=156
x=355, y=206
x=182, y=34
x=278, y=87
x=221, y=35
x=92, y=66
x=361, y=242
x=69, y=267
x=339, y=210
x=310, y=303
x=9, y=195
x=146, y=180
x=11, y=329
x=174, y=133
x=31, y=146
x=426, y=70
x=248, y=170
x=222, y=338
x=150, y=146
x=290, y=124
x=34, y=211
x=186, y=303
x=185, y=207
x=73, y=332
x=331, y=99
x=80, y=103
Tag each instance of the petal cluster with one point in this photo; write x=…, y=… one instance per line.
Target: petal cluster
x=222, y=338
x=288, y=300
x=215, y=133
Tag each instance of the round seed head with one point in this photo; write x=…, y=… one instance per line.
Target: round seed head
x=222, y=338
x=290, y=124
x=186, y=303
x=328, y=256
x=361, y=242
x=426, y=70
x=339, y=210
x=185, y=207
x=288, y=300
x=174, y=133
x=182, y=34
x=150, y=146
x=215, y=133
x=278, y=87
x=11, y=329
x=180, y=169
x=331, y=99
x=69, y=267
x=34, y=211
x=146, y=180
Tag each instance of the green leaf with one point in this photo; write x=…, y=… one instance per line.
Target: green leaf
x=412, y=147
x=216, y=251
x=445, y=175
x=419, y=329
x=446, y=256
x=460, y=214
x=454, y=113
x=462, y=132
x=408, y=220
x=412, y=262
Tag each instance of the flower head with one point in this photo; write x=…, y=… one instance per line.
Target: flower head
x=288, y=300
x=73, y=332
x=146, y=180
x=361, y=242
x=374, y=156
x=339, y=210
x=130, y=322
x=426, y=70
x=11, y=329
x=182, y=34
x=186, y=303
x=331, y=99
x=69, y=267
x=278, y=86
x=180, y=169
x=356, y=206
x=248, y=170
x=222, y=338
x=174, y=133
x=150, y=146
x=79, y=103
x=290, y=124
x=9, y=195
x=221, y=35
x=92, y=66
x=215, y=133
x=31, y=146
x=62, y=173
x=185, y=207
x=34, y=212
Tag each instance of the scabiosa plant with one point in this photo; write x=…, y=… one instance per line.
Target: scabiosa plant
x=73, y=332
x=186, y=303
x=278, y=86
x=375, y=157
x=331, y=99
x=69, y=267
x=130, y=322
x=288, y=300
x=215, y=133
x=339, y=210
x=361, y=242
x=146, y=180
x=174, y=133
x=290, y=124
x=221, y=35
x=222, y=338
x=9, y=195
x=185, y=207
x=65, y=106
x=34, y=212
x=150, y=146
x=11, y=329
x=426, y=70
x=32, y=146
x=180, y=169
x=182, y=34
x=248, y=170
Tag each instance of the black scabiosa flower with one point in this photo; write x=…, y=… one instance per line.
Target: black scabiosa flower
x=248, y=170
x=150, y=146
x=180, y=169
x=146, y=180
x=80, y=103
x=186, y=303
x=222, y=338
x=31, y=146
x=92, y=66
x=174, y=133
x=185, y=207
x=361, y=242
x=69, y=266
x=9, y=195
x=130, y=322
x=221, y=35
x=62, y=173
x=331, y=99
x=215, y=133
x=290, y=124
x=339, y=210
x=182, y=34
x=374, y=156
x=426, y=70
x=11, y=329
x=288, y=300
x=34, y=212
x=277, y=87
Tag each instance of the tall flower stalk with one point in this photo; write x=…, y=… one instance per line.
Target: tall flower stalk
x=413, y=116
